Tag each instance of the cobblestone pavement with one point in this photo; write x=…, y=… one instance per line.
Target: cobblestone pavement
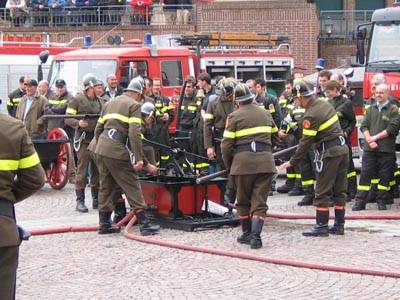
x=89, y=266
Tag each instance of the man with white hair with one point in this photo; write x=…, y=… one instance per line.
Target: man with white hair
x=380, y=127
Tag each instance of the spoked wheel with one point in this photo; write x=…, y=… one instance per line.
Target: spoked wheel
x=58, y=173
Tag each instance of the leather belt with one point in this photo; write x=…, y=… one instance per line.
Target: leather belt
x=115, y=135
x=253, y=147
x=7, y=209
x=338, y=141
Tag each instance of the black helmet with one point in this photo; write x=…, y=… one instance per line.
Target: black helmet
x=302, y=87
x=226, y=86
x=243, y=93
x=90, y=80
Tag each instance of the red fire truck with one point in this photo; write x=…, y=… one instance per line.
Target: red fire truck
x=383, y=55
x=174, y=64
x=19, y=56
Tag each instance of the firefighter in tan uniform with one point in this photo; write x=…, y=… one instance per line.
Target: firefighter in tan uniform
x=247, y=153
x=214, y=125
x=85, y=103
x=21, y=175
x=120, y=157
x=321, y=127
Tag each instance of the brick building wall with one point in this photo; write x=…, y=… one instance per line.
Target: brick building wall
x=293, y=18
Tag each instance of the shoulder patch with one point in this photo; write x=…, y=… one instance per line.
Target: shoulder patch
x=306, y=124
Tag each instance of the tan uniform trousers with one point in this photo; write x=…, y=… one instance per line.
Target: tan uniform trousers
x=331, y=183
x=8, y=271
x=83, y=164
x=113, y=173
x=252, y=193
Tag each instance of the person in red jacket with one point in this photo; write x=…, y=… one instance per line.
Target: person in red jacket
x=141, y=10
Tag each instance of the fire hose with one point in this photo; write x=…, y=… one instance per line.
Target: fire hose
x=240, y=255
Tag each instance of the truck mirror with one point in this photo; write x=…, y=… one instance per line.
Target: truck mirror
x=362, y=34
x=360, y=52
x=43, y=56
x=349, y=72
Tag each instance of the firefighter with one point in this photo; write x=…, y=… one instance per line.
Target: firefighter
x=269, y=102
x=148, y=118
x=321, y=127
x=214, y=125
x=323, y=77
x=120, y=157
x=30, y=111
x=347, y=119
x=189, y=117
x=21, y=175
x=164, y=115
x=57, y=105
x=289, y=133
x=247, y=152
x=380, y=127
x=15, y=96
x=85, y=103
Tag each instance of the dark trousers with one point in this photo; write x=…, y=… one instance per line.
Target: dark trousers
x=332, y=182
x=376, y=165
x=84, y=160
x=8, y=271
x=252, y=193
x=307, y=170
x=116, y=172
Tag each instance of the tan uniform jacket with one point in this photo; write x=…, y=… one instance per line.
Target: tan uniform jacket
x=247, y=124
x=82, y=104
x=216, y=115
x=123, y=114
x=320, y=124
x=34, y=122
x=21, y=174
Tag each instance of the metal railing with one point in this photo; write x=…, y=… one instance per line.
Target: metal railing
x=342, y=23
x=99, y=16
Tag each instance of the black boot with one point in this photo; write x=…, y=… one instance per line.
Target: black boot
x=95, y=197
x=119, y=210
x=256, y=228
x=352, y=188
x=381, y=204
x=146, y=225
x=359, y=205
x=297, y=189
x=80, y=201
x=245, y=237
x=321, y=229
x=289, y=184
x=338, y=226
x=371, y=198
x=105, y=224
x=309, y=196
x=229, y=196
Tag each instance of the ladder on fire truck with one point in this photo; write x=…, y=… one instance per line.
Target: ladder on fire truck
x=234, y=41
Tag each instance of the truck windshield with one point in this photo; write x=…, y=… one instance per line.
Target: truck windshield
x=385, y=44
x=72, y=71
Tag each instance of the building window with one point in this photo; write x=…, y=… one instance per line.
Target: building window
x=369, y=4
x=329, y=5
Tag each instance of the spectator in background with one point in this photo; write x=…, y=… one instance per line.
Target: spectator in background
x=45, y=91
x=40, y=12
x=141, y=11
x=88, y=8
x=18, y=11
x=183, y=11
x=112, y=89
x=57, y=9
x=169, y=10
x=31, y=109
x=15, y=96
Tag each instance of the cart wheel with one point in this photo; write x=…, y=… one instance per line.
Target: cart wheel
x=58, y=173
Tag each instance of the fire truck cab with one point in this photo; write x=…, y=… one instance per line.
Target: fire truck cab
x=172, y=64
